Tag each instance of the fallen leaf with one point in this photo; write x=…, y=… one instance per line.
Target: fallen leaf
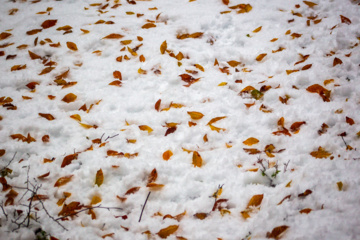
x=252, y=151
x=69, y=209
x=337, y=61
x=339, y=185
x=157, y=105
x=257, y=29
x=117, y=74
x=163, y=47
x=260, y=57
x=99, y=179
x=306, y=67
x=33, y=56
x=113, y=36
x=72, y=46
x=215, y=120
x=287, y=197
x=148, y=25
x=33, y=32
x=146, y=128
x=165, y=232
x=155, y=186
x=46, y=70
x=295, y=127
x=167, y=155
x=196, y=159
x=2, y=152
x=233, y=63
x=305, y=210
x=310, y=4
x=68, y=159
x=277, y=232
x=44, y=175
x=251, y=141
x=345, y=20
x=18, y=67
x=306, y=193
x=115, y=83
x=196, y=115
x=132, y=190
x=63, y=180
x=4, y=35
x=200, y=216
x=255, y=201
x=48, y=23
x=48, y=116
x=70, y=97
x=152, y=176
x=323, y=92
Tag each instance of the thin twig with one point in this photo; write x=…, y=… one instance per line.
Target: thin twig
x=144, y=206
x=260, y=161
x=3, y=210
x=286, y=166
x=85, y=209
x=51, y=216
x=111, y=137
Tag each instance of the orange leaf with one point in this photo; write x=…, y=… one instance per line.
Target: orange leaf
x=4, y=35
x=305, y=210
x=132, y=190
x=71, y=46
x=277, y=232
x=233, y=63
x=142, y=58
x=63, y=180
x=260, y=57
x=310, y=4
x=163, y=47
x=2, y=152
x=165, y=232
x=196, y=35
x=196, y=159
x=48, y=116
x=76, y=117
x=195, y=115
x=320, y=153
x=84, y=31
x=126, y=42
x=350, y=121
x=251, y=141
x=99, y=179
x=115, y=83
x=33, y=56
x=148, y=25
x=68, y=159
x=18, y=67
x=69, y=209
x=288, y=72
x=154, y=186
x=255, y=201
x=157, y=105
x=70, y=97
x=34, y=31
x=295, y=127
x=323, y=92
x=113, y=36
x=46, y=70
x=146, y=128
x=200, y=216
x=44, y=175
x=153, y=176
x=252, y=151
x=306, y=67
x=117, y=74
x=167, y=155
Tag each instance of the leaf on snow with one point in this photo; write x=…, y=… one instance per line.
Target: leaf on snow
x=63, y=180
x=196, y=159
x=72, y=46
x=152, y=176
x=251, y=141
x=165, y=232
x=68, y=159
x=48, y=116
x=99, y=179
x=163, y=47
x=167, y=155
x=113, y=36
x=277, y=232
x=320, y=153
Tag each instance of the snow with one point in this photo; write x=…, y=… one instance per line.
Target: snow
x=226, y=37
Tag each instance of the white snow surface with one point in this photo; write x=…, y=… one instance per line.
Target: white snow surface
x=227, y=36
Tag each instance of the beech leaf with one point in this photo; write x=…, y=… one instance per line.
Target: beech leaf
x=251, y=141
x=163, y=47
x=99, y=179
x=48, y=23
x=70, y=97
x=72, y=46
x=165, y=232
x=48, y=116
x=195, y=115
x=63, y=180
x=196, y=159
x=113, y=36
x=277, y=232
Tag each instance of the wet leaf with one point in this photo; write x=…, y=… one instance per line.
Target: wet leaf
x=163, y=47
x=99, y=179
x=117, y=75
x=196, y=159
x=350, y=121
x=305, y=210
x=251, y=141
x=306, y=193
x=68, y=159
x=63, y=180
x=69, y=209
x=306, y=67
x=196, y=115
x=277, y=232
x=320, y=153
x=256, y=94
x=167, y=155
x=113, y=36
x=68, y=98
x=48, y=116
x=44, y=175
x=165, y=232
x=72, y=46
x=49, y=23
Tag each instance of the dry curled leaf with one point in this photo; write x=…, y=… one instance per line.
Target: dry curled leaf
x=323, y=92
x=145, y=128
x=132, y=190
x=48, y=116
x=345, y=20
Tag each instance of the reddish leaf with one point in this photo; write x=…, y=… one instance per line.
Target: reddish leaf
x=337, y=61
x=153, y=176
x=48, y=23
x=306, y=193
x=277, y=232
x=345, y=20
x=350, y=121
x=132, y=190
x=63, y=180
x=170, y=130
x=117, y=74
x=157, y=105
x=217, y=203
x=69, y=209
x=68, y=159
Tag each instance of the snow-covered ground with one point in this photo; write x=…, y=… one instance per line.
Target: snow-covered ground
x=241, y=119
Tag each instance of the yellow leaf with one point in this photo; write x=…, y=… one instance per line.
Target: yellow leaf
x=328, y=81
x=215, y=120
x=99, y=179
x=187, y=150
x=87, y=126
x=155, y=186
x=310, y=4
x=213, y=128
x=70, y=97
x=196, y=159
x=255, y=201
x=72, y=46
x=141, y=71
x=196, y=115
x=132, y=51
x=288, y=184
x=260, y=57
x=245, y=214
x=167, y=155
x=163, y=47
x=257, y=29
x=201, y=68
x=224, y=211
x=146, y=128
x=251, y=141
x=222, y=84
x=320, y=153
x=288, y=72
x=165, y=232
x=95, y=200
x=148, y=25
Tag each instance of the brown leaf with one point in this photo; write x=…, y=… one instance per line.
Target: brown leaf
x=64, y=28
x=18, y=67
x=305, y=210
x=295, y=127
x=72, y=46
x=287, y=197
x=99, y=179
x=38, y=197
x=196, y=35
x=148, y=25
x=32, y=85
x=217, y=203
x=306, y=193
x=167, y=155
x=113, y=36
x=163, y=47
x=255, y=201
x=345, y=20
x=48, y=23
x=33, y=32
x=48, y=116
x=200, y=216
x=233, y=63
x=63, y=180
x=4, y=35
x=310, y=4
x=145, y=128
x=5, y=185
x=260, y=57
x=323, y=129
x=337, y=61
x=115, y=83
x=196, y=115
x=323, y=92
x=165, y=232
x=226, y=2
x=320, y=153
x=196, y=159
x=69, y=209
x=33, y=56
x=306, y=67
x=2, y=152
x=44, y=175
x=350, y=121
x=132, y=190
x=157, y=105
x=215, y=120
x=252, y=151
x=277, y=232
x=46, y=70
x=70, y=97
x=152, y=176
x=68, y=159
x=257, y=29
x=170, y=130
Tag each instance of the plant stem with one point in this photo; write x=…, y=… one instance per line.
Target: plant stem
x=144, y=206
